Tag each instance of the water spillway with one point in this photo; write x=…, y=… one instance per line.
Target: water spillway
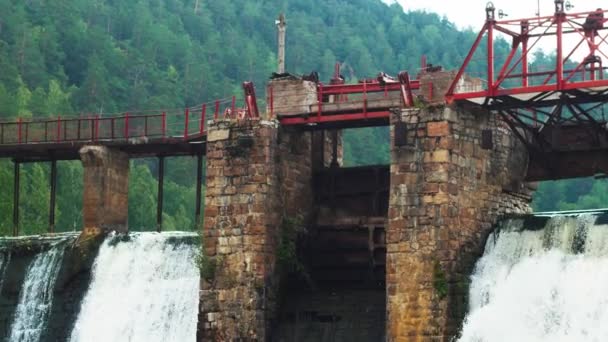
x=36, y=296
x=137, y=287
x=542, y=279
x=144, y=288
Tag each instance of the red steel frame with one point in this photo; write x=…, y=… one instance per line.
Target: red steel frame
x=531, y=31
x=337, y=88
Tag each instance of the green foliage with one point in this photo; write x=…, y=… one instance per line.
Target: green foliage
x=575, y=194
x=440, y=282
x=77, y=56
x=287, y=252
x=206, y=265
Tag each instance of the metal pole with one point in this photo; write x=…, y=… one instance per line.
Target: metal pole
x=199, y=176
x=159, y=202
x=53, y=196
x=16, y=200
x=282, y=27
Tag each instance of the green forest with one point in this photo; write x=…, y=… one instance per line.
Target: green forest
x=108, y=56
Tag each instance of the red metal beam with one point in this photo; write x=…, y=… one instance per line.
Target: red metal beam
x=311, y=120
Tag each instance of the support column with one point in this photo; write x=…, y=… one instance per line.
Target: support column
x=256, y=179
x=199, y=186
x=159, y=201
x=446, y=194
x=106, y=189
x=53, y=196
x=16, y=188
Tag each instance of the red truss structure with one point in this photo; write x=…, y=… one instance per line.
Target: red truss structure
x=587, y=29
x=540, y=106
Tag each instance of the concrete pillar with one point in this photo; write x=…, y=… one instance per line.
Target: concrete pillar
x=106, y=189
x=446, y=194
x=256, y=177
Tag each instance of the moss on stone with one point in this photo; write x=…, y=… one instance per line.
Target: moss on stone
x=440, y=282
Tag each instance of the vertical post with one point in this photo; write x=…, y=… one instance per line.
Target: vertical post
x=164, y=124
x=16, y=199
x=159, y=202
x=127, y=126
x=78, y=129
x=365, y=99
x=560, y=52
x=19, y=130
x=58, y=138
x=96, y=127
x=187, y=118
x=112, y=128
x=282, y=27
x=92, y=123
x=271, y=102
x=203, y=115
x=146, y=125
x=491, y=58
x=199, y=176
x=524, y=58
x=53, y=196
x=1, y=133
x=217, y=109
x=319, y=101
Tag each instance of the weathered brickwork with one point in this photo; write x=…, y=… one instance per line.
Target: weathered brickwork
x=256, y=176
x=446, y=194
x=106, y=189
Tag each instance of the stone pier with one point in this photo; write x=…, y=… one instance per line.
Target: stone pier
x=258, y=176
x=106, y=189
x=446, y=193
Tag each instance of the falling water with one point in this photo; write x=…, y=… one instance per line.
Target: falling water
x=5, y=259
x=36, y=296
x=546, y=284
x=143, y=289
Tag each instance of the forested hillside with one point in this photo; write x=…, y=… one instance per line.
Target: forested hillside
x=107, y=56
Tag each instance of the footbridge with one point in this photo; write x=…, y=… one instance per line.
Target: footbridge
x=401, y=237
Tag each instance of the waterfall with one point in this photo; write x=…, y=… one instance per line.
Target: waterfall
x=545, y=284
x=5, y=259
x=144, y=288
x=36, y=295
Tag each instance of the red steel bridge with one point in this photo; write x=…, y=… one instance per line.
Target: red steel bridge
x=556, y=110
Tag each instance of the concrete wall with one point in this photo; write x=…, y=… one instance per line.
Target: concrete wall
x=446, y=194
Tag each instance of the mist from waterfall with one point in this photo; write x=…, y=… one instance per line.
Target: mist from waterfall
x=144, y=288
x=544, y=283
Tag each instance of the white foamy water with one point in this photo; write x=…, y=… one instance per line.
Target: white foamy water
x=143, y=290
x=549, y=285
x=36, y=296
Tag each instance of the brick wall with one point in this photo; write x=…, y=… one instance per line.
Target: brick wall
x=446, y=194
x=256, y=176
x=106, y=189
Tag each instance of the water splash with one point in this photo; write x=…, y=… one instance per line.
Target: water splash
x=36, y=296
x=143, y=289
x=546, y=285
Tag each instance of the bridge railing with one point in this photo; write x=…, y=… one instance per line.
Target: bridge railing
x=184, y=124
x=293, y=100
